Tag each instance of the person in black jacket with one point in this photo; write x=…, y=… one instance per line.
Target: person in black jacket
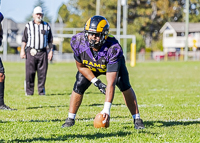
x=2, y=76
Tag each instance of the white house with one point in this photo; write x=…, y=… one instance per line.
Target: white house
x=174, y=36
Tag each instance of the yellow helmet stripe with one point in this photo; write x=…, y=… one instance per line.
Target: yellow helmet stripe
x=101, y=25
x=87, y=24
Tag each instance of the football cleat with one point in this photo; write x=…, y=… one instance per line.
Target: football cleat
x=4, y=107
x=68, y=123
x=138, y=124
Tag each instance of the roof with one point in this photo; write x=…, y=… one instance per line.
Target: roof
x=180, y=27
x=10, y=24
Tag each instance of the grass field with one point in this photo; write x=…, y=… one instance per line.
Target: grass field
x=168, y=95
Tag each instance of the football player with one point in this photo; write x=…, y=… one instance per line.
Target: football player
x=98, y=53
x=2, y=76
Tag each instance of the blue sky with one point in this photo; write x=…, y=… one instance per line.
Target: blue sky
x=18, y=10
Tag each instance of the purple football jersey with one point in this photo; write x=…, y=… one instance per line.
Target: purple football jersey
x=110, y=53
x=1, y=17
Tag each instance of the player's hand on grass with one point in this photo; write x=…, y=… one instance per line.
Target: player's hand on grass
x=101, y=86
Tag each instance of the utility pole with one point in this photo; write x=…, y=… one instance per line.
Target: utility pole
x=118, y=19
x=186, y=30
x=124, y=4
x=52, y=20
x=61, y=32
x=97, y=7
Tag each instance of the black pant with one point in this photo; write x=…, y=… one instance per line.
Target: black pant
x=39, y=64
x=1, y=66
x=1, y=84
x=82, y=83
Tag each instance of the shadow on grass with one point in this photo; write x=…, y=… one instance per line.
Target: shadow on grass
x=4, y=122
x=53, y=120
x=46, y=107
x=53, y=94
x=168, y=123
x=93, y=92
x=74, y=136
x=102, y=105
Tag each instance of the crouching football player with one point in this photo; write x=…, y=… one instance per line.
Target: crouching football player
x=98, y=53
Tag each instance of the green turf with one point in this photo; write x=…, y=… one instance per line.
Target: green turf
x=168, y=95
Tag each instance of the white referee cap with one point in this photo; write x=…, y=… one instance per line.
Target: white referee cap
x=37, y=9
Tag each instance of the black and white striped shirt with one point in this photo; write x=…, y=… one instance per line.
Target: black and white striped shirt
x=37, y=36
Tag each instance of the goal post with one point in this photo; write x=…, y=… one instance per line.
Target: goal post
x=132, y=48
x=133, y=55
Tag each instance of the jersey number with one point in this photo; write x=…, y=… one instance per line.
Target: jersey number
x=95, y=70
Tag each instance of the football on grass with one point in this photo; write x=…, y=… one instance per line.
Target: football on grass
x=100, y=122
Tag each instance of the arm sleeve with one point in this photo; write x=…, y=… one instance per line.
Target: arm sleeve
x=25, y=35
x=77, y=58
x=1, y=29
x=1, y=34
x=75, y=47
x=50, y=36
x=113, y=67
x=115, y=53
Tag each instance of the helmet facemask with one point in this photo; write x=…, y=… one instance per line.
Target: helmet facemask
x=93, y=42
x=99, y=26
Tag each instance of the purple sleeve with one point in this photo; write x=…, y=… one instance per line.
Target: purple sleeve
x=75, y=45
x=114, y=53
x=1, y=17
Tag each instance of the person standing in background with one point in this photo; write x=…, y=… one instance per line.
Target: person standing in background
x=37, y=36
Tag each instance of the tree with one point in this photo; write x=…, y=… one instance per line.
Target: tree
x=145, y=17
x=63, y=13
x=46, y=17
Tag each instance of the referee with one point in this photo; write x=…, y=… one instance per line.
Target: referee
x=37, y=35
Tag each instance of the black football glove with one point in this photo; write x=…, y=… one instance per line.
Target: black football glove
x=101, y=86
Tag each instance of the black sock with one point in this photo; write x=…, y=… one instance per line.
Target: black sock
x=1, y=93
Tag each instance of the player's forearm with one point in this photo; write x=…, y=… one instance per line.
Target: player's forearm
x=87, y=73
x=109, y=93
x=110, y=89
